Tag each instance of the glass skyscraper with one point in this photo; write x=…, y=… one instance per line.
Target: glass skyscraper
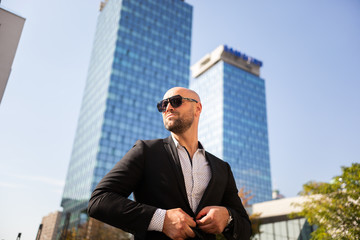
x=141, y=49
x=233, y=124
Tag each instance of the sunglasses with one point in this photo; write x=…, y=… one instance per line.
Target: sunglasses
x=175, y=101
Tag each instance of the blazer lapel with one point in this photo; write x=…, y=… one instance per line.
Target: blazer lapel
x=175, y=163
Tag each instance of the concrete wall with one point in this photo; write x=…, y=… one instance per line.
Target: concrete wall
x=11, y=26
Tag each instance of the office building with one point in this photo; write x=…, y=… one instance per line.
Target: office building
x=49, y=226
x=141, y=49
x=11, y=26
x=233, y=125
x=276, y=223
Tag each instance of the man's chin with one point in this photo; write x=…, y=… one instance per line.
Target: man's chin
x=171, y=128
x=170, y=122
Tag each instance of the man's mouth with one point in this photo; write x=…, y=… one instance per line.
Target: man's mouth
x=170, y=115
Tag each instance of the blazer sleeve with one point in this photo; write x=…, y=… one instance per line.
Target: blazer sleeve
x=240, y=229
x=109, y=201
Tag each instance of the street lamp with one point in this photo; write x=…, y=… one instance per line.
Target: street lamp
x=19, y=235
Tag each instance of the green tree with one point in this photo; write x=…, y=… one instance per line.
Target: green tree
x=334, y=207
x=71, y=234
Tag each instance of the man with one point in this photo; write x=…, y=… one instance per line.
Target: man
x=181, y=190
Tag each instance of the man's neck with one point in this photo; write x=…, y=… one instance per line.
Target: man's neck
x=189, y=141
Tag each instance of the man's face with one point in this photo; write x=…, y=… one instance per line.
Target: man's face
x=180, y=119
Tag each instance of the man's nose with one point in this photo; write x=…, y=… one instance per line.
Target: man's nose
x=169, y=107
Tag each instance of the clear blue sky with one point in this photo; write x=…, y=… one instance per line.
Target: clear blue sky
x=310, y=50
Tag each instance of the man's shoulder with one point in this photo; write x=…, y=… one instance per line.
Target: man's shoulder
x=208, y=154
x=215, y=159
x=151, y=142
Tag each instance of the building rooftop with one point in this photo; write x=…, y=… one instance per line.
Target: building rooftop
x=228, y=55
x=10, y=11
x=277, y=210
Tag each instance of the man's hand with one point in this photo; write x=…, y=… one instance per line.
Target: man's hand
x=177, y=224
x=212, y=219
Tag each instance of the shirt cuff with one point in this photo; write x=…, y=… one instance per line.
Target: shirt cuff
x=157, y=221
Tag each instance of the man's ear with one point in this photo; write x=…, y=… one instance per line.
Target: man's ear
x=198, y=108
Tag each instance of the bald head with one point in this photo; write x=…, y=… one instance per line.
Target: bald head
x=182, y=117
x=184, y=92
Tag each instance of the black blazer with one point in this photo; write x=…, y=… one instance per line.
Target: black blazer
x=152, y=171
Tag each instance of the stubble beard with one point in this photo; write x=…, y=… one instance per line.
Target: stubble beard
x=180, y=125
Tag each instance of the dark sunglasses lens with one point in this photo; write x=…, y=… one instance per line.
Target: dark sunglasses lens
x=161, y=106
x=176, y=101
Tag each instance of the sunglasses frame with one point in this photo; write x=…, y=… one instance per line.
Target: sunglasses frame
x=170, y=100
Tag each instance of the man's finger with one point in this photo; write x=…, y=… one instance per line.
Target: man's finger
x=210, y=228
x=203, y=221
x=190, y=221
x=176, y=224
x=189, y=232
x=203, y=212
x=206, y=228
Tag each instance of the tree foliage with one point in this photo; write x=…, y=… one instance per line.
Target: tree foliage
x=334, y=207
x=254, y=217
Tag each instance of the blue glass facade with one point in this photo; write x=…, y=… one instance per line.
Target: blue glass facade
x=141, y=49
x=233, y=125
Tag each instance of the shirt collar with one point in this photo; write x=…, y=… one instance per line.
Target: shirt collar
x=177, y=144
